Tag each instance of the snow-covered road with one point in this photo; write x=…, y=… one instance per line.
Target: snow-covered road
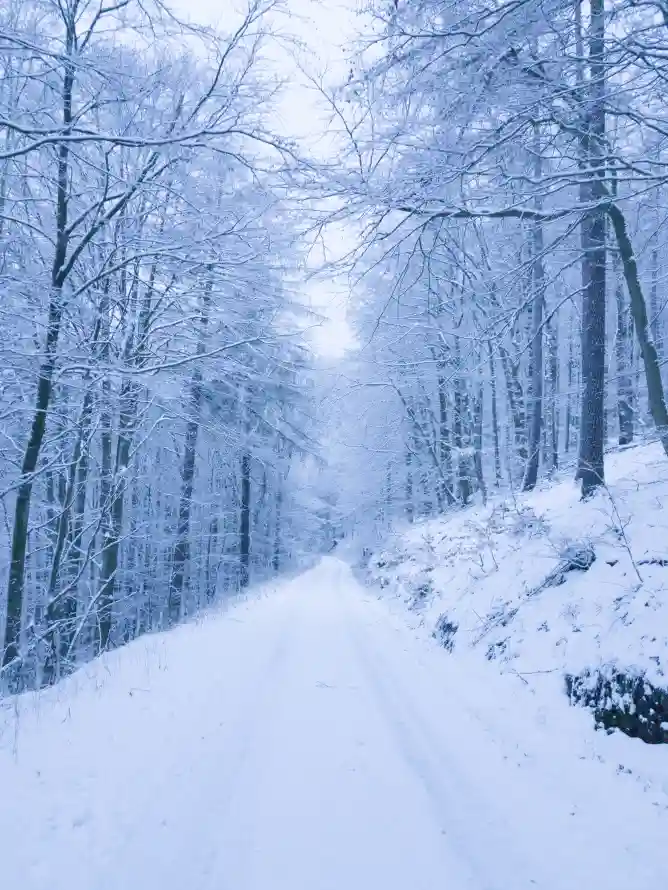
x=305, y=741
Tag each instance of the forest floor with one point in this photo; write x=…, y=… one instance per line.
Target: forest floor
x=308, y=739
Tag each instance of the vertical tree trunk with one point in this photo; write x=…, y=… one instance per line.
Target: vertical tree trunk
x=211, y=573
x=461, y=425
x=515, y=404
x=245, y=520
x=441, y=451
x=445, y=445
x=278, y=507
x=181, y=555
x=655, y=393
x=105, y=596
x=553, y=350
x=136, y=354
x=656, y=326
x=624, y=357
x=590, y=462
x=477, y=443
x=409, y=482
x=572, y=384
x=536, y=406
x=495, y=416
x=61, y=607
x=76, y=551
x=389, y=498
x=78, y=522
x=16, y=579
x=182, y=546
x=129, y=397
x=538, y=307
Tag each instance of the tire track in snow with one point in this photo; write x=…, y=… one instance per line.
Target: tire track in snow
x=551, y=821
x=187, y=803
x=328, y=802
x=476, y=835
x=543, y=823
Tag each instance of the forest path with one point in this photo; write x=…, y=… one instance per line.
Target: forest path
x=304, y=741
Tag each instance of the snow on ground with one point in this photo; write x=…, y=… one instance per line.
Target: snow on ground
x=311, y=740
x=485, y=569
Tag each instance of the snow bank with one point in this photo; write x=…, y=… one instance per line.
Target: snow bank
x=547, y=587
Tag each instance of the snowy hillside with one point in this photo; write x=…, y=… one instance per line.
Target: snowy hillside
x=551, y=588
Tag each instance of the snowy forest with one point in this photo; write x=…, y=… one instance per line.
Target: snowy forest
x=495, y=207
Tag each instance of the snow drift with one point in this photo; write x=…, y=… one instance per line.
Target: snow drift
x=568, y=597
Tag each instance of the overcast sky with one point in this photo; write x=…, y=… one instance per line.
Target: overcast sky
x=326, y=28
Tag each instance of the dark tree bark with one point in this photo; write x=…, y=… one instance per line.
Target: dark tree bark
x=105, y=597
x=590, y=460
x=655, y=393
x=59, y=271
x=211, y=572
x=461, y=425
x=623, y=360
x=537, y=370
x=65, y=259
x=445, y=445
x=477, y=443
x=245, y=521
x=573, y=384
x=656, y=324
x=495, y=416
x=410, y=512
x=515, y=395
x=61, y=608
x=129, y=398
x=278, y=518
x=553, y=377
x=181, y=557
x=136, y=354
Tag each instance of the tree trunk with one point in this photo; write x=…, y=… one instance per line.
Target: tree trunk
x=78, y=523
x=445, y=445
x=409, y=482
x=477, y=443
x=590, y=461
x=624, y=358
x=656, y=326
x=61, y=607
x=136, y=354
x=244, y=520
x=181, y=556
x=461, y=423
x=278, y=507
x=129, y=400
x=105, y=597
x=573, y=386
x=537, y=372
x=211, y=573
x=553, y=376
x=655, y=393
x=16, y=579
x=495, y=417
x=515, y=403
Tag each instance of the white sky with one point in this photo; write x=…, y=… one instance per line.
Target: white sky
x=325, y=27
